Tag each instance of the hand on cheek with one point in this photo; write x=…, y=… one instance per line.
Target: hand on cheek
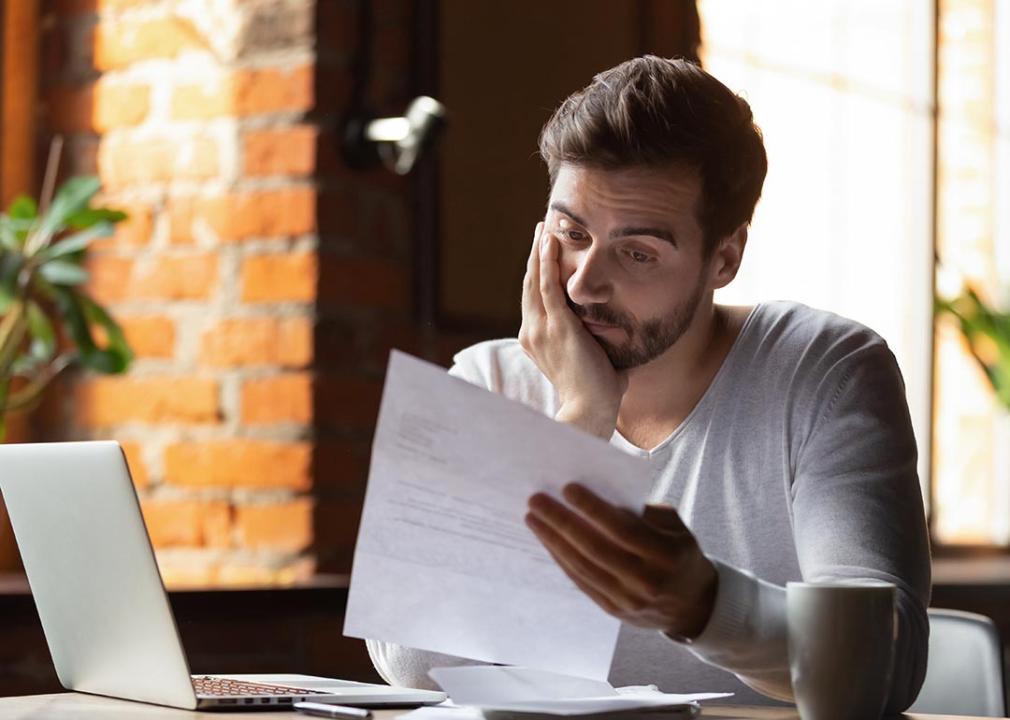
x=589, y=388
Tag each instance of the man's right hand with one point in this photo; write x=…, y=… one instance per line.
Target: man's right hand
x=588, y=386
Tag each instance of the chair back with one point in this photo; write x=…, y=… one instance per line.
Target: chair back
x=964, y=675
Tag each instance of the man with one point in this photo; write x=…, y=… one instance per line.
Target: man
x=779, y=435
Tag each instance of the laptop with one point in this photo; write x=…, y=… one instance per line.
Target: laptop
x=101, y=600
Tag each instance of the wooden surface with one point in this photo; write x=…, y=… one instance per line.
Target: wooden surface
x=72, y=706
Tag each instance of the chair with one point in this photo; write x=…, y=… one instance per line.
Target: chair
x=964, y=675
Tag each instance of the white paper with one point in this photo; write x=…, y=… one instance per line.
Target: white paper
x=529, y=690
x=443, y=712
x=488, y=684
x=444, y=561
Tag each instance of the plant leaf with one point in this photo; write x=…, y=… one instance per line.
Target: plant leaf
x=78, y=311
x=75, y=243
x=23, y=208
x=90, y=216
x=72, y=197
x=61, y=272
x=43, y=345
x=9, y=239
x=116, y=356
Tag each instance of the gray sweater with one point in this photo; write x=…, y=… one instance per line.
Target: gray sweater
x=798, y=463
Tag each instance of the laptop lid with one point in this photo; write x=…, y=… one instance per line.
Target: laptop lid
x=92, y=571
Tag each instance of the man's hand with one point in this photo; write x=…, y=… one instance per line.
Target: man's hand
x=589, y=388
x=648, y=571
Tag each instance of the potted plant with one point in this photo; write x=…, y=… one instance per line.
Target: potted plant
x=987, y=331
x=46, y=318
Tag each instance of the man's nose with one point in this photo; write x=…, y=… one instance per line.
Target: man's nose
x=589, y=284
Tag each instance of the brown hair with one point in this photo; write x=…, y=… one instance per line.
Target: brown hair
x=652, y=112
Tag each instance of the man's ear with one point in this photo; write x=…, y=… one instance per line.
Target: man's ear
x=727, y=257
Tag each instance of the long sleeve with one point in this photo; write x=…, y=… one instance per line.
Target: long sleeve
x=408, y=667
x=857, y=513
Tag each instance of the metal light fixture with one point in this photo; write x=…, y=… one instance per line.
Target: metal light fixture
x=396, y=141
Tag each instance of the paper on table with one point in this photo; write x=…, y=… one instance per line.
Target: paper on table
x=486, y=684
x=533, y=691
x=444, y=561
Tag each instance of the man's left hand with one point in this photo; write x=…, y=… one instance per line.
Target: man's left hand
x=647, y=571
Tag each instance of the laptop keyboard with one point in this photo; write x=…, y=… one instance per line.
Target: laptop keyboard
x=223, y=687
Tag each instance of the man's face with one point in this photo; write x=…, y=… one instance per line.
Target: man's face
x=632, y=261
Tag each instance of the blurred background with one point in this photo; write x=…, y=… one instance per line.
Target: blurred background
x=269, y=264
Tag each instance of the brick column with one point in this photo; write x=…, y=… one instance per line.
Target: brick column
x=259, y=281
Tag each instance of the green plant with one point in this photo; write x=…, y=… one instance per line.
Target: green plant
x=987, y=331
x=46, y=318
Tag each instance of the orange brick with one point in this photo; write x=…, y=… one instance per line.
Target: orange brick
x=99, y=107
x=286, y=151
x=283, y=526
x=105, y=401
x=362, y=281
x=125, y=161
x=135, y=231
x=237, y=342
x=246, y=92
x=240, y=463
x=149, y=336
x=110, y=277
x=238, y=216
x=176, y=277
x=279, y=278
x=295, y=344
x=122, y=43
x=138, y=469
x=188, y=523
x=283, y=398
x=191, y=276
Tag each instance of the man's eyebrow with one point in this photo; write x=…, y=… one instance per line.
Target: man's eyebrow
x=562, y=208
x=658, y=233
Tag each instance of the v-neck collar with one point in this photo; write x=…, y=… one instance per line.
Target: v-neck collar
x=629, y=446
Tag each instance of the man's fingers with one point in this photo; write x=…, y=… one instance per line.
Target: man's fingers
x=606, y=590
x=550, y=276
x=666, y=518
x=628, y=567
x=631, y=532
x=532, y=302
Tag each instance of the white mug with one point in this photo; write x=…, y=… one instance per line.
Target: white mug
x=841, y=648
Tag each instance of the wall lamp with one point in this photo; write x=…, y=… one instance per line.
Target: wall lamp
x=395, y=141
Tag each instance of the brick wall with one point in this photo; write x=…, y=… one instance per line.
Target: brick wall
x=260, y=282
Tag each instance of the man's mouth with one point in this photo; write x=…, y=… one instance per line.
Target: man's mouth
x=598, y=328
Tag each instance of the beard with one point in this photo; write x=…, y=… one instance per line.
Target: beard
x=647, y=340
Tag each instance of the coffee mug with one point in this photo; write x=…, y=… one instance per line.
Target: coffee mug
x=841, y=648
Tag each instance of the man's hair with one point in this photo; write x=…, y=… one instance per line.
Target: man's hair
x=654, y=112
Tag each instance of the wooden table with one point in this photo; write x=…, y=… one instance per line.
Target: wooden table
x=74, y=706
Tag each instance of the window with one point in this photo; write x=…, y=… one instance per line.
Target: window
x=843, y=93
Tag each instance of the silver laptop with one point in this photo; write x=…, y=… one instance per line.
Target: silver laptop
x=101, y=600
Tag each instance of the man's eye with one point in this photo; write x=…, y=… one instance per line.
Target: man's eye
x=640, y=257
x=574, y=235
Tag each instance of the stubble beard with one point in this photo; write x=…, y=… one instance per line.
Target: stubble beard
x=646, y=341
